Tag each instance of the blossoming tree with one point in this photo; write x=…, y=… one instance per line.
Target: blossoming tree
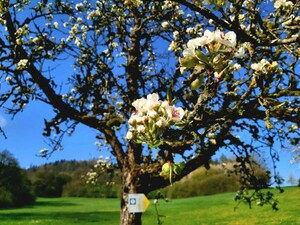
x=166, y=84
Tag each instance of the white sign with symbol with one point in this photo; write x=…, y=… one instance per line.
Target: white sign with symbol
x=137, y=203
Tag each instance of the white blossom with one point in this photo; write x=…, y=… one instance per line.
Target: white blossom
x=129, y=135
x=71, y=99
x=43, y=151
x=236, y=66
x=228, y=39
x=139, y=104
x=173, y=46
x=192, y=45
x=97, y=143
x=64, y=96
x=162, y=122
x=190, y=30
x=217, y=75
x=165, y=24
x=132, y=120
x=55, y=25
x=79, y=7
x=139, y=118
x=180, y=13
x=152, y=102
x=151, y=118
x=22, y=64
x=78, y=41
x=240, y=53
x=174, y=113
x=153, y=114
x=79, y=20
x=176, y=34
x=283, y=3
x=114, y=44
x=258, y=67
x=141, y=129
x=8, y=78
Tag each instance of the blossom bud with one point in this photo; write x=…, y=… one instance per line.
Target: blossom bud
x=195, y=85
x=139, y=120
x=132, y=121
x=141, y=129
x=129, y=135
x=145, y=119
x=153, y=114
x=165, y=170
x=165, y=24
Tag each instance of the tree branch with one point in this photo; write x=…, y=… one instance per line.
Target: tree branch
x=243, y=36
x=56, y=100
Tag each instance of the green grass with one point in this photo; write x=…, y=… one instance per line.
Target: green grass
x=215, y=209
x=219, y=209
x=64, y=211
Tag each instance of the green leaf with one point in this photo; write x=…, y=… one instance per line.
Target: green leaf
x=138, y=140
x=171, y=174
x=202, y=57
x=178, y=167
x=156, y=143
x=180, y=124
x=188, y=62
x=196, y=84
x=169, y=95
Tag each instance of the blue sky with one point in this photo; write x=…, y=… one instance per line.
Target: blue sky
x=25, y=139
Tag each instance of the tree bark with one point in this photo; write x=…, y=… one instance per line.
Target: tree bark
x=129, y=181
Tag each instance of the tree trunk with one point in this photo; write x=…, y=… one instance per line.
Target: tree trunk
x=129, y=186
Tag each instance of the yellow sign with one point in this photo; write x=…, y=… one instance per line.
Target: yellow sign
x=137, y=203
x=146, y=202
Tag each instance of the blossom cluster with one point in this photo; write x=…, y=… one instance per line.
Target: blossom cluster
x=101, y=166
x=283, y=4
x=228, y=40
x=22, y=64
x=91, y=177
x=264, y=66
x=151, y=118
x=213, y=52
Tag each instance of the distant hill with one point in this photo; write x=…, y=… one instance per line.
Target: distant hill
x=218, y=179
x=204, y=182
x=68, y=178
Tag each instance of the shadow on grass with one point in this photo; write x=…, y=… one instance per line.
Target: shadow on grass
x=48, y=203
x=41, y=203
x=61, y=217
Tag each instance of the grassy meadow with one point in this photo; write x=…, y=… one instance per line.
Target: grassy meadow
x=214, y=209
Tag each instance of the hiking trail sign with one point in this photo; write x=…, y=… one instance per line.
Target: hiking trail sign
x=137, y=203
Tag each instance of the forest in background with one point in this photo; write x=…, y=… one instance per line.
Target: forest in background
x=69, y=179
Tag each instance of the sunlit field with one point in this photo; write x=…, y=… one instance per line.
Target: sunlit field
x=215, y=209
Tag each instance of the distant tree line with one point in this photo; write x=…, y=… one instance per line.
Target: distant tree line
x=221, y=177
x=19, y=187
x=15, y=187
x=68, y=179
